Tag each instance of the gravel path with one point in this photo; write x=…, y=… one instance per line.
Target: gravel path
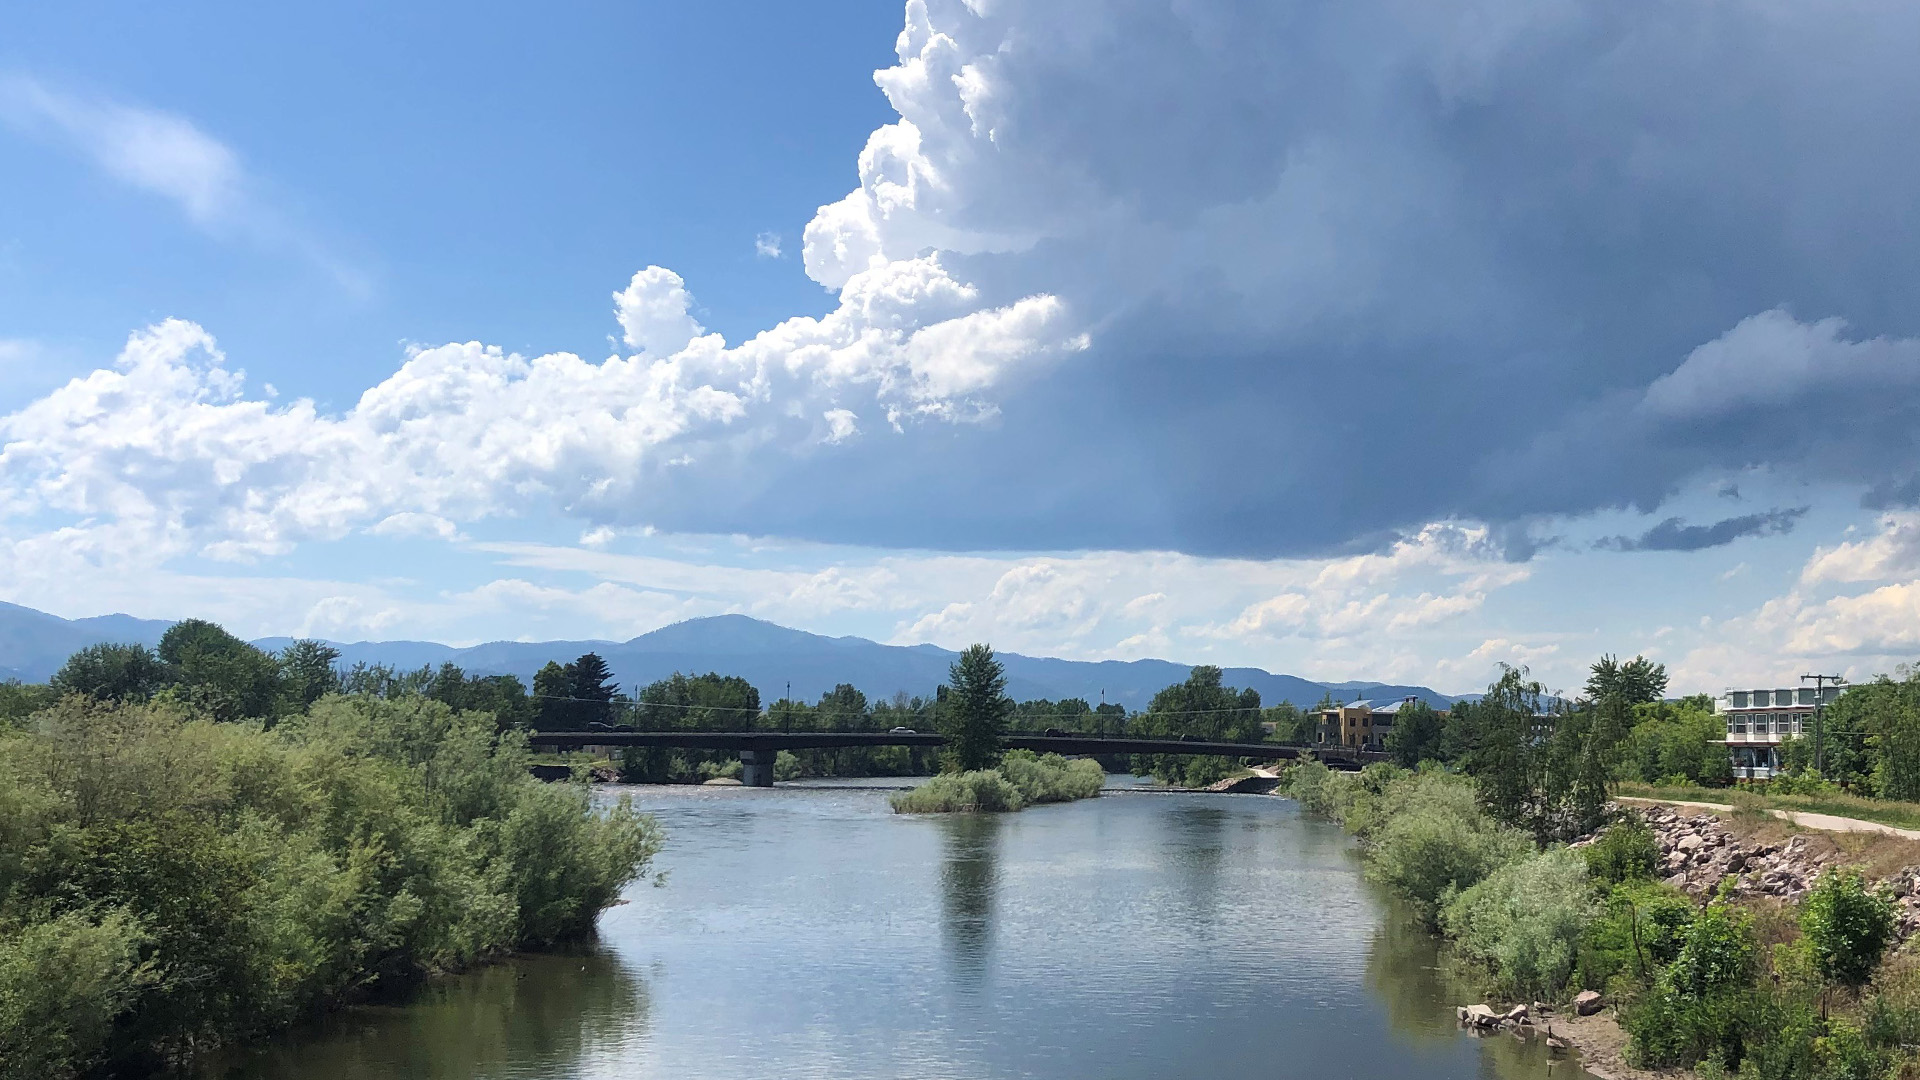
x=1802, y=818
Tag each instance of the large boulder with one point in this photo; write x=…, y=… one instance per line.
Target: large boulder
x=1587, y=1002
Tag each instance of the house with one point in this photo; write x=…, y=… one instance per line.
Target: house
x=1758, y=721
x=1361, y=724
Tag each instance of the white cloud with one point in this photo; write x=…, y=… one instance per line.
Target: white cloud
x=152, y=150
x=168, y=439
x=1894, y=552
x=842, y=424
x=767, y=245
x=410, y=524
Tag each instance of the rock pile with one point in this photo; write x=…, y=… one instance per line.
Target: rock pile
x=1697, y=851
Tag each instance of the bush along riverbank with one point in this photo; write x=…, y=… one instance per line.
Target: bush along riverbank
x=1783, y=975
x=1021, y=780
x=170, y=883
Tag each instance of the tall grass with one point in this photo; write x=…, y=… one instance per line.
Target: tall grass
x=1022, y=779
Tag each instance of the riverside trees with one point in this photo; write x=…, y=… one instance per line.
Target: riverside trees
x=171, y=880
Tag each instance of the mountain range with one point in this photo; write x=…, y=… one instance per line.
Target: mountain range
x=33, y=645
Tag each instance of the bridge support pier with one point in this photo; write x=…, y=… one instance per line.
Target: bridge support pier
x=757, y=767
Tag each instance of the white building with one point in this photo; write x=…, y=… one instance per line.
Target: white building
x=1758, y=721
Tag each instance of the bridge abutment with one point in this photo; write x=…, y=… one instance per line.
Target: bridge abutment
x=756, y=767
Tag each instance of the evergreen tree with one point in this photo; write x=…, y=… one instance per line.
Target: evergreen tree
x=974, y=713
x=1415, y=736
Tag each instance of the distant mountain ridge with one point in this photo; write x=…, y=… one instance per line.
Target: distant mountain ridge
x=33, y=645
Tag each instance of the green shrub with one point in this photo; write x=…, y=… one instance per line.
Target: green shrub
x=63, y=982
x=1525, y=920
x=1626, y=851
x=1639, y=931
x=1847, y=927
x=1052, y=778
x=981, y=789
x=1429, y=840
x=1666, y=1028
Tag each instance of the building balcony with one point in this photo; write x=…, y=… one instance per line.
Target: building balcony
x=1752, y=772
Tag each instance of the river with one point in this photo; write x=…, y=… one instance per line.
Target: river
x=809, y=932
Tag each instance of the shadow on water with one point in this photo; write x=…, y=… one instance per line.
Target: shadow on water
x=969, y=878
x=537, y=1014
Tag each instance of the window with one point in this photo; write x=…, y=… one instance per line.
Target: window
x=1739, y=725
x=1738, y=699
x=1796, y=724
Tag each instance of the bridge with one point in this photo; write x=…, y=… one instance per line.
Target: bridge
x=757, y=749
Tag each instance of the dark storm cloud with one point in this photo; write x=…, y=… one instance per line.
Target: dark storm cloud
x=1350, y=268
x=1673, y=534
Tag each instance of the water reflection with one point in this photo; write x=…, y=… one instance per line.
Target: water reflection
x=1409, y=971
x=814, y=935
x=969, y=877
x=1197, y=845
x=539, y=1015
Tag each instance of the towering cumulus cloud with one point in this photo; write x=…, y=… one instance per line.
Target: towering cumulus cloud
x=1261, y=278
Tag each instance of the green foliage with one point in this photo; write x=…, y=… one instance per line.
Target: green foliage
x=1426, y=837
x=1022, y=779
x=1289, y=724
x=1640, y=930
x=64, y=981
x=1846, y=927
x=1051, y=778
x=1682, y=740
x=308, y=672
x=19, y=700
x=1626, y=851
x=1718, y=953
x=1416, y=735
x=1203, y=710
x=1638, y=681
x=112, y=673
x=1525, y=920
x=974, y=715
x=193, y=883
x=220, y=674
x=953, y=792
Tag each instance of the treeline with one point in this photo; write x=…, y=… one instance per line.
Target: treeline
x=202, y=843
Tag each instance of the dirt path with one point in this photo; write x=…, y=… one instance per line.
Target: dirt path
x=1804, y=819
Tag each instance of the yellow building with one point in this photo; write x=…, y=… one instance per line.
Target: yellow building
x=1362, y=724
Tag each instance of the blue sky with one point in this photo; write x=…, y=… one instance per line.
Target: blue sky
x=1378, y=341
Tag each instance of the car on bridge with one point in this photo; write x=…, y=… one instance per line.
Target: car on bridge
x=902, y=731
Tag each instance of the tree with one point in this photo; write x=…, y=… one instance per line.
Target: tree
x=307, y=672
x=1635, y=682
x=1415, y=735
x=552, y=694
x=590, y=684
x=1201, y=709
x=227, y=677
x=974, y=714
x=1847, y=927
x=109, y=672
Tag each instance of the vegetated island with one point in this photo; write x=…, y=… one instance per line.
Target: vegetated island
x=216, y=843
x=1742, y=949
x=977, y=775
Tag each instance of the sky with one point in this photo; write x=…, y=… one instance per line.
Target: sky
x=1382, y=340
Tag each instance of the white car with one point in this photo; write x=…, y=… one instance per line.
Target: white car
x=902, y=731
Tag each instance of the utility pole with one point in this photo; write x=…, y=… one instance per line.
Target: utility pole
x=786, y=709
x=1819, y=728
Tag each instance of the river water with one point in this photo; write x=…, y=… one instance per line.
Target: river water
x=809, y=932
